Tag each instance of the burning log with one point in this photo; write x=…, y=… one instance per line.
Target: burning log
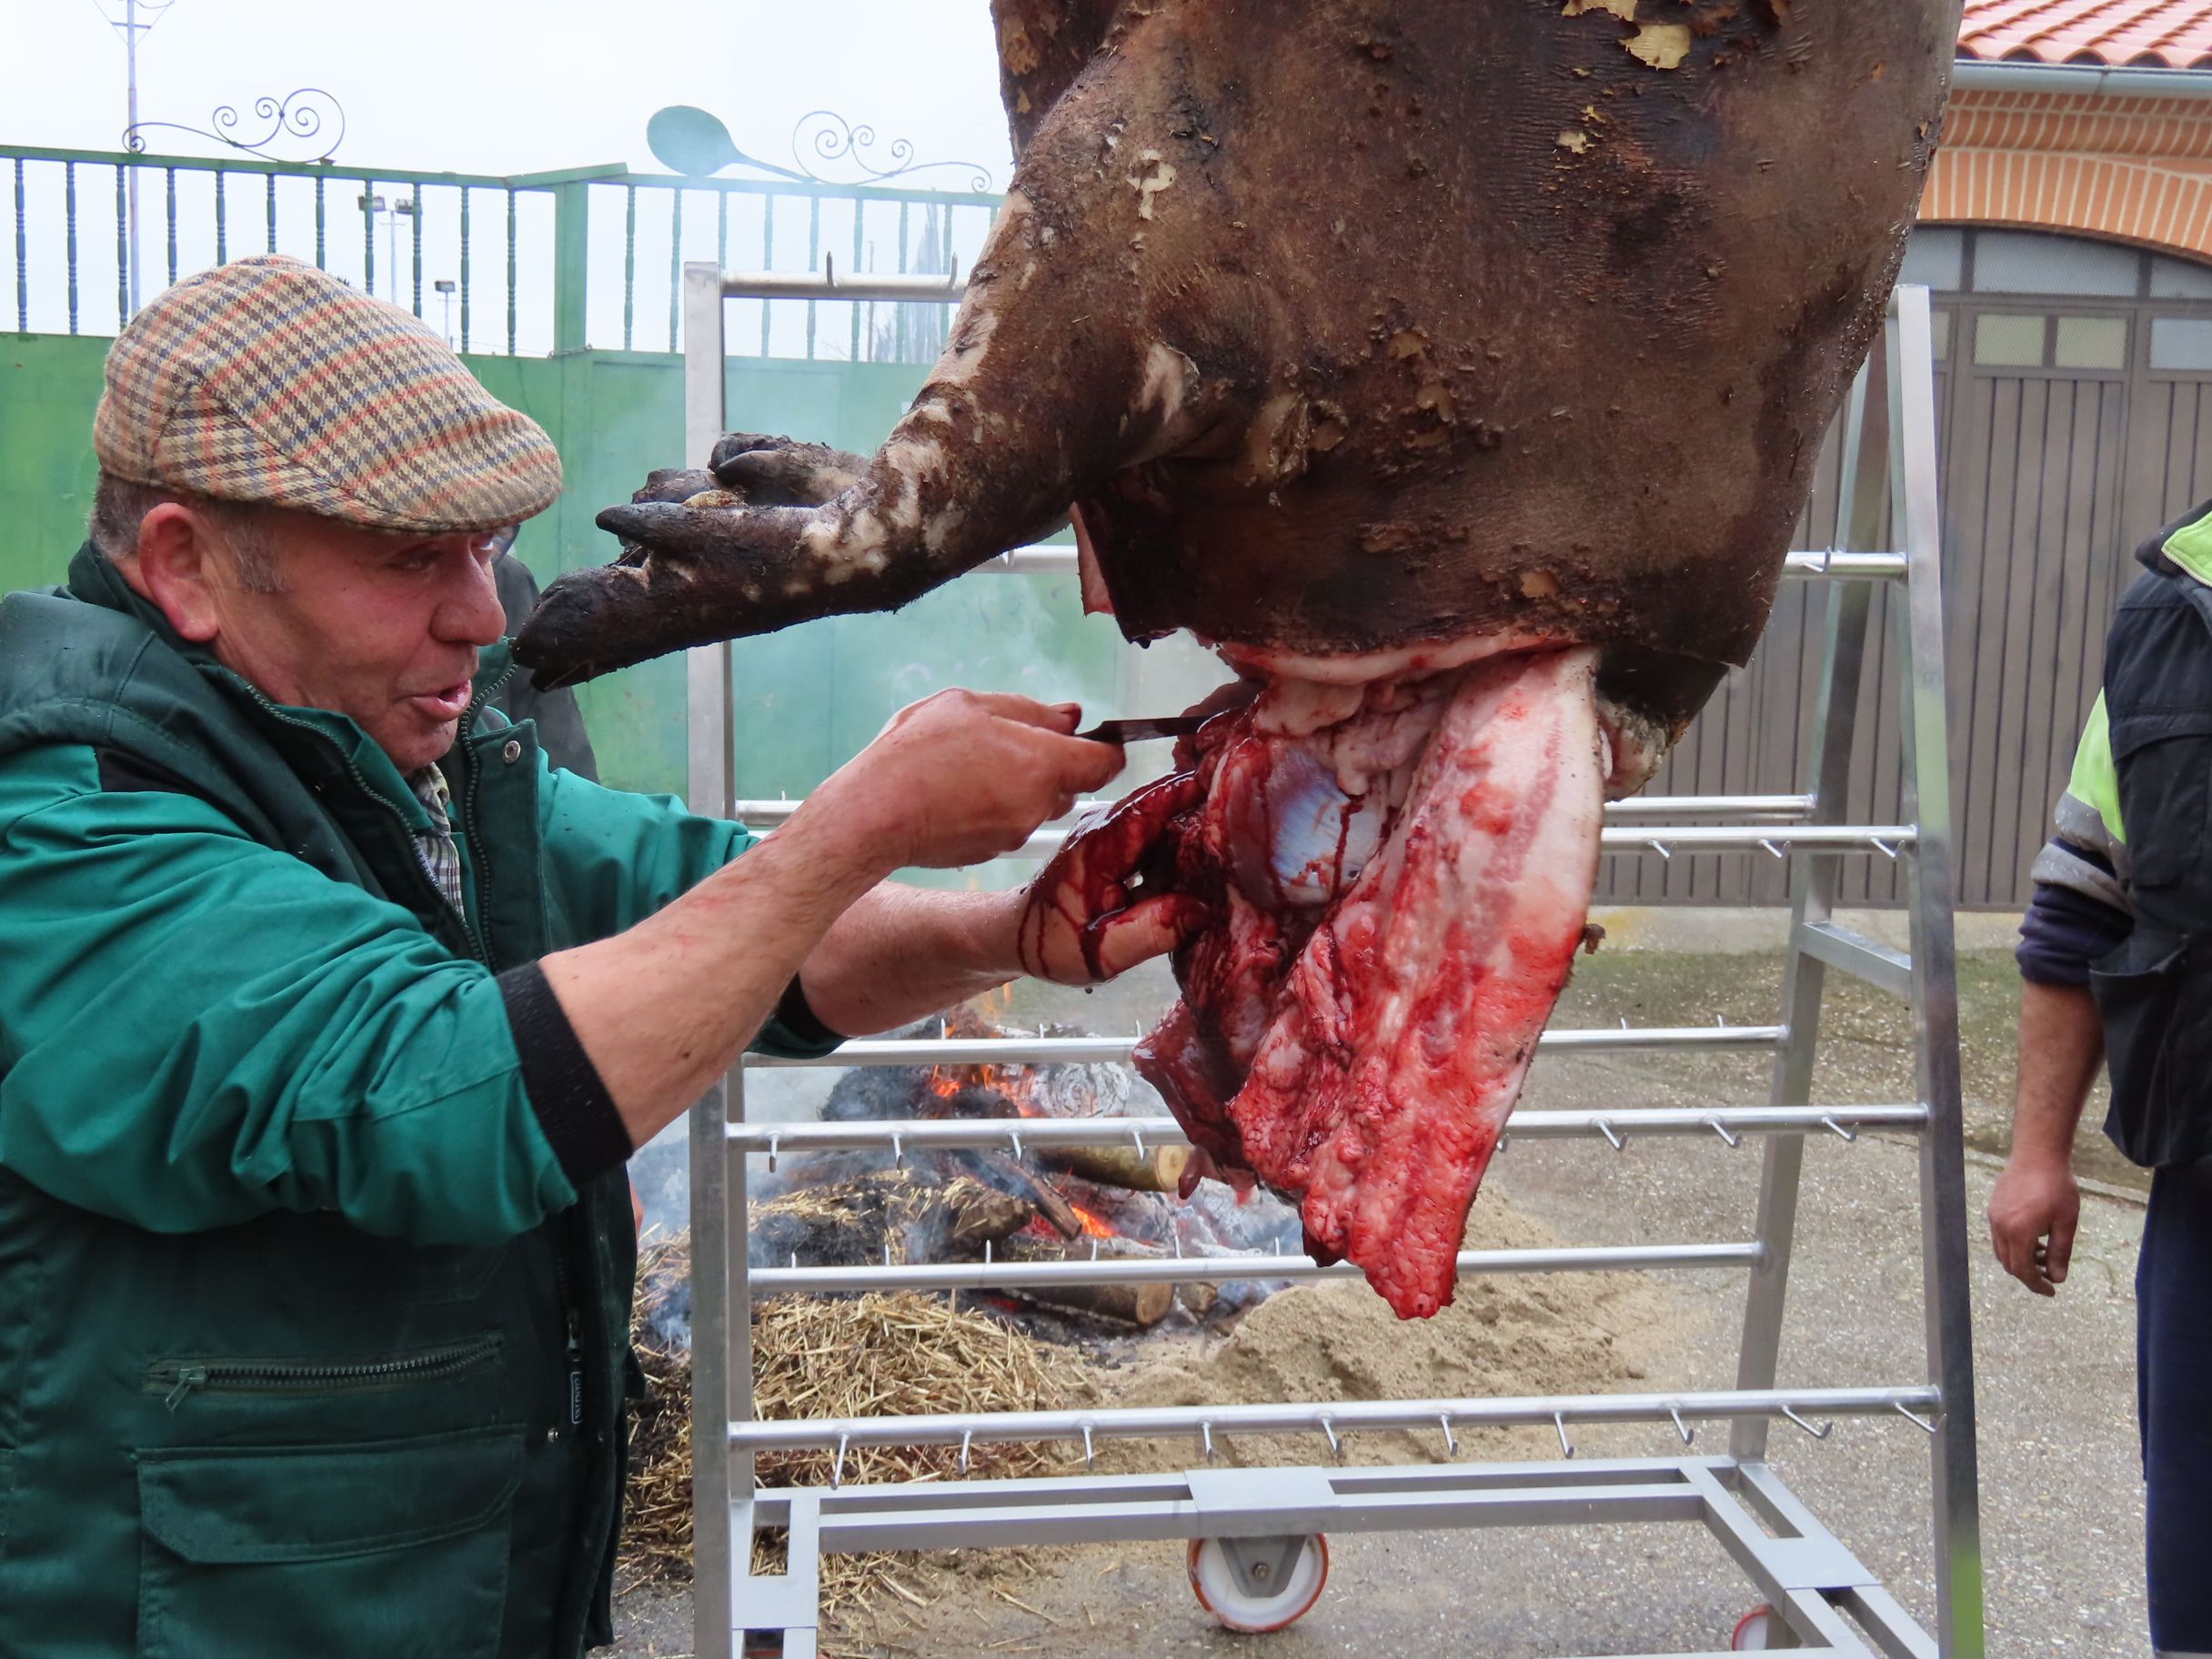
x=1142, y=1306
x=1157, y=1169
x=853, y=1222
x=1011, y=1176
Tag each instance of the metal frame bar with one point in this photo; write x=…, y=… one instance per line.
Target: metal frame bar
x=939, y=1133
x=1829, y=1601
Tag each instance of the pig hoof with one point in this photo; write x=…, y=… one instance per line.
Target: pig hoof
x=671, y=527
x=780, y=472
x=558, y=643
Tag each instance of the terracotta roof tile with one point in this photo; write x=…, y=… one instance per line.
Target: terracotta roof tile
x=2172, y=33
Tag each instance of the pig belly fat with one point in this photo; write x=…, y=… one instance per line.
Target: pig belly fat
x=1402, y=1026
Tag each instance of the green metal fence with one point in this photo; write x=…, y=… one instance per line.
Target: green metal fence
x=528, y=265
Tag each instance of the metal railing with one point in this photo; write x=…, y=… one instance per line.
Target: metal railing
x=506, y=265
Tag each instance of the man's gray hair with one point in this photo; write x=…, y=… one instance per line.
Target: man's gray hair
x=119, y=507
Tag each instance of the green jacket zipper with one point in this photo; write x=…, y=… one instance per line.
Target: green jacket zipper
x=180, y=1379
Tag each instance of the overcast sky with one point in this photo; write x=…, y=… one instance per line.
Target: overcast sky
x=516, y=86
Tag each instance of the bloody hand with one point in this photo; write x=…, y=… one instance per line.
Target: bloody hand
x=1078, y=924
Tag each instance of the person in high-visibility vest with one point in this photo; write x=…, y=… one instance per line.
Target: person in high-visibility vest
x=2115, y=957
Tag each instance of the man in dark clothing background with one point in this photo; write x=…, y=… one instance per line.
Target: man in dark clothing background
x=560, y=723
x=2115, y=960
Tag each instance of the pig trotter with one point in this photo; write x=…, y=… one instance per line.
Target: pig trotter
x=782, y=471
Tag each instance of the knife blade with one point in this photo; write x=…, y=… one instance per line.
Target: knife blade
x=1140, y=731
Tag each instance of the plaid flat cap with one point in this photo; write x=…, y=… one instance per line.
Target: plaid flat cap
x=268, y=380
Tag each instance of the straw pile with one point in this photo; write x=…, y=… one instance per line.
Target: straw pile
x=875, y=1356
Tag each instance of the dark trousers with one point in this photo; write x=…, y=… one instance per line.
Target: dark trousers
x=2174, y=1383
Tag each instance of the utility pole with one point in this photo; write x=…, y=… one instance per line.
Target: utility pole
x=130, y=70
x=139, y=16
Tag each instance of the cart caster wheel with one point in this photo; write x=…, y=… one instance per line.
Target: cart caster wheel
x=1760, y=1630
x=1259, y=1584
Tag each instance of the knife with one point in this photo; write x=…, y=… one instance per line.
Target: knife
x=1139, y=731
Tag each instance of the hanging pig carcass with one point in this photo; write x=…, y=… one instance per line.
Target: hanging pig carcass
x=1456, y=368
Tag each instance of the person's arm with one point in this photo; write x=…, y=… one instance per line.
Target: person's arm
x=197, y=1029
x=664, y=1008
x=2036, y=1205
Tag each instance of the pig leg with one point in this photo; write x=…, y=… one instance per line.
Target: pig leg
x=1053, y=377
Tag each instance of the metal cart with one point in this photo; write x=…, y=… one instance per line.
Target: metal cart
x=1257, y=1531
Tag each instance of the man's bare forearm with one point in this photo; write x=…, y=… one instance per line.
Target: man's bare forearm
x=667, y=1006
x=2062, y=1043
x=904, y=952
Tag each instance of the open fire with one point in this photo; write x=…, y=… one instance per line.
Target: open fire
x=936, y=1206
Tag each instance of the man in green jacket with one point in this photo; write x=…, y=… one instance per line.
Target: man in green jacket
x=329, y=1013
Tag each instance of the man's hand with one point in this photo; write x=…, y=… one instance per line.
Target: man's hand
x=2033, y=1213
x=965, y=776
x=1078, y=924
x=2036, y=1199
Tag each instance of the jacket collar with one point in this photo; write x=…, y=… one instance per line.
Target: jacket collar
x=2184, y=545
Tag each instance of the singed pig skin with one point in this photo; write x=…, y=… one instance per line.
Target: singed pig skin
x=1353, y=326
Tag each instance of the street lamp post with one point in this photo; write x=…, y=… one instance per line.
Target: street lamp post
x=400, y=204
x=444, y=284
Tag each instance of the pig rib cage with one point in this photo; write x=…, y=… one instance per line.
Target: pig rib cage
x=1821, y=1598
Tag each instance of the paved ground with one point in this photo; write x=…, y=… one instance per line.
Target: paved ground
x=2063, y=1517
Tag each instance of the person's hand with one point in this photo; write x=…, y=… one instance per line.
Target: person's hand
x=2033, y=1213
x=962, y=777
x=1078, y=925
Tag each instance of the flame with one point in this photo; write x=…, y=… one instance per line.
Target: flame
x=1095, y=1226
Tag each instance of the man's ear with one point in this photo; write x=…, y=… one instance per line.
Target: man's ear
x=177, y=568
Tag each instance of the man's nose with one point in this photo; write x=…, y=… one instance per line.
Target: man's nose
x=472, y=614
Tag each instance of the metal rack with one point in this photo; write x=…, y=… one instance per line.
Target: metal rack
x=1823, y=1598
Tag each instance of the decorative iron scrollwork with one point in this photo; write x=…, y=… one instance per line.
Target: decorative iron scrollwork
x=299, y=114
x=829, y=136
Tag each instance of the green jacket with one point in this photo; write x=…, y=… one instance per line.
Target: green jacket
x=316, y=1253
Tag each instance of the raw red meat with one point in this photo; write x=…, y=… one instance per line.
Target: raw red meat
x=1398, y=894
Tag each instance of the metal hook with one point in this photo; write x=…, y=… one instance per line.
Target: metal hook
x=1013, y=1138
x=967, y=1444
x=1505, y=1141
x=986, y=1252
x=1606, y=1130
x=1559, y=1421
x=1451, y=1441
x=1775, y=850
x=1663, y=850
x=887, y=1252
x=1925, y=1424
x=1822, y=1432
x=897, y=1152
x=1721, y=1129
x=1090, y=1457
x=1885, y=848
x=837, y=1470
x=1336, y=1446
x=1834, y=1128
x=1136, y=1139
x=1689, y=1434
x=1094, y=1249
x=1179, y=1247
x=1206, y=1440
x=771, y=1152
x=794, y=1260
